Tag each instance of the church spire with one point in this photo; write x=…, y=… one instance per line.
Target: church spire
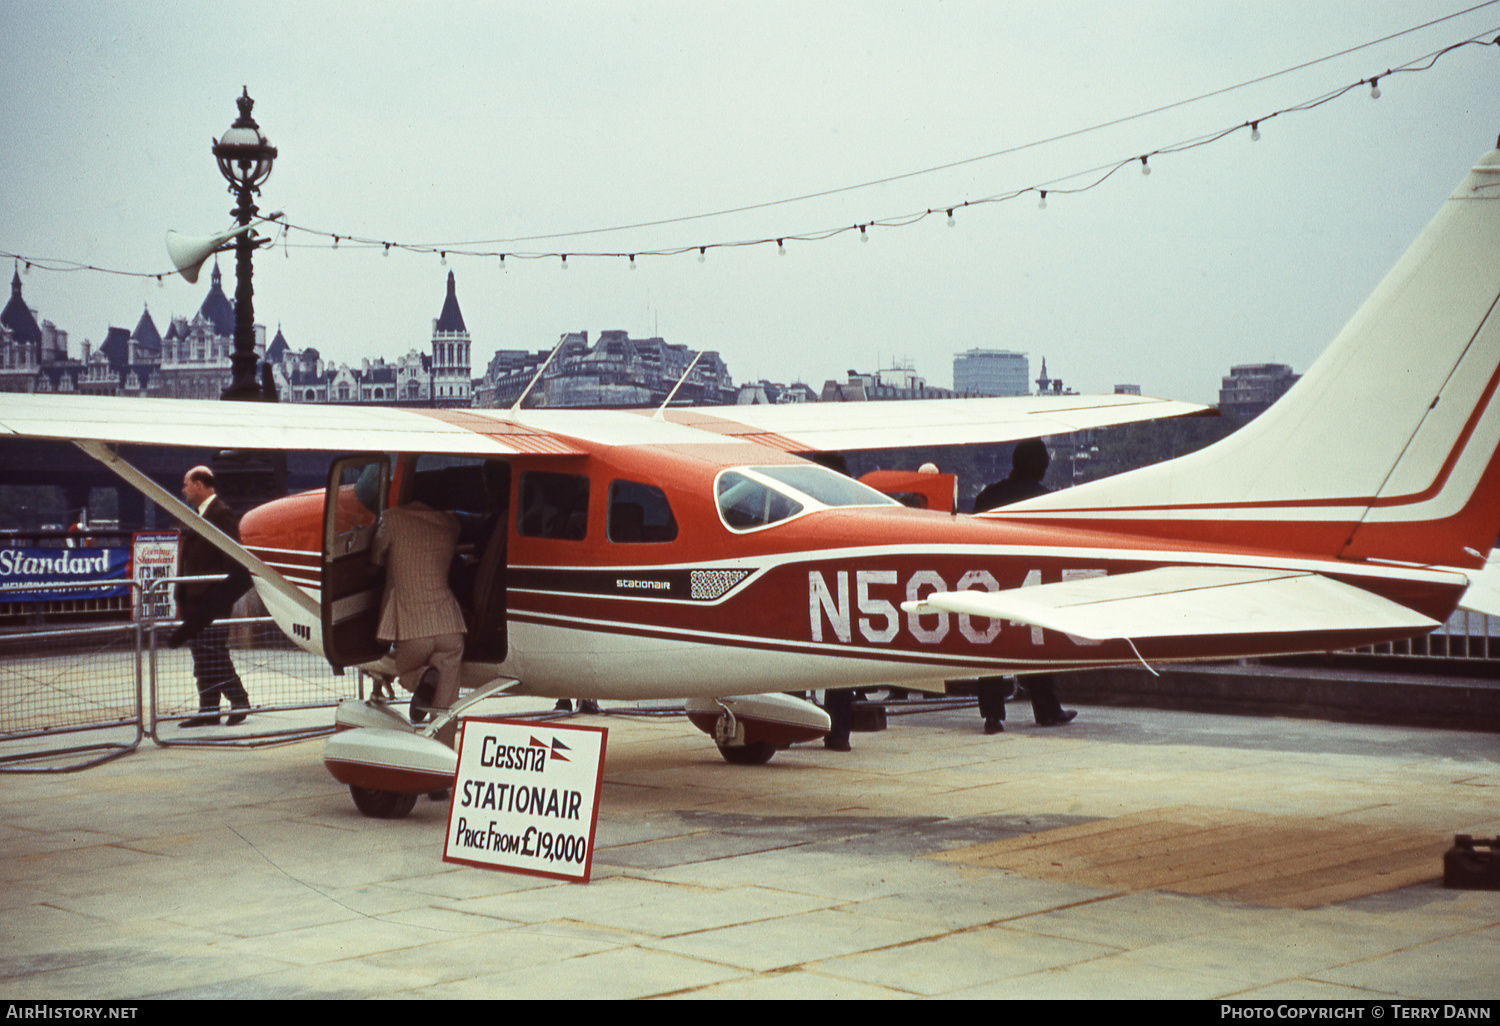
x=451, y=319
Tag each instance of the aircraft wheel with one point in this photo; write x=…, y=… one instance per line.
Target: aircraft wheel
x=757, y=753
x=381, y=804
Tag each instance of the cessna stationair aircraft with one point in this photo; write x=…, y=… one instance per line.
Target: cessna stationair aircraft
x=699, y=554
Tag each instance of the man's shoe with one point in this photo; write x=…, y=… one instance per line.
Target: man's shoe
x=1066, y=716
x=837, y=746
x=422, y=697
x=201, y=721
x=993, y=726
x=236, y=718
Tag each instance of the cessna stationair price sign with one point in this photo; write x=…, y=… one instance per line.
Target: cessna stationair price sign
x=526, y=798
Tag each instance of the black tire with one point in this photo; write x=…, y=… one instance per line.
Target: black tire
x=757, y=753
x=381, y=804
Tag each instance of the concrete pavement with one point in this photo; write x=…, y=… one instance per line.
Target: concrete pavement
x=932, y=861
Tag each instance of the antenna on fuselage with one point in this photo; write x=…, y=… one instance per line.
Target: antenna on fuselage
x=511, y=413
x=661, y=410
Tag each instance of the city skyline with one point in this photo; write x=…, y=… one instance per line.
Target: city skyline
x=902, y=373
x=450, y=124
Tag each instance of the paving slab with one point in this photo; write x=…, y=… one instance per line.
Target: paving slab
x=246, y=872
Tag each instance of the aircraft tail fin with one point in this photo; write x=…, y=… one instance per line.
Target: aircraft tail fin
x=1385, y=449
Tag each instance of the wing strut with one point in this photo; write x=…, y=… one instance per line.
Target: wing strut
x=215, y=537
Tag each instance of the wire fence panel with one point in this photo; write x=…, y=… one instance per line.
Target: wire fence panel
x=55, y=684
x=283, y=682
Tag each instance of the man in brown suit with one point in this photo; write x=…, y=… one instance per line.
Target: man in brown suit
x=416, y=544
x=213, y=671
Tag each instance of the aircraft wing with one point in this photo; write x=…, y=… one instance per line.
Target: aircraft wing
x=794, y=427
x=1184, y=602
x=908, y=423
x=214, y=424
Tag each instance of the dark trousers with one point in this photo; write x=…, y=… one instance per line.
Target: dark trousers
x=1045, y=708
x=839, y=704
x=993, y=691
x=213, y=670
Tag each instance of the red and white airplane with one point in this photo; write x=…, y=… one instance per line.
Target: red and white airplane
x=697, y=554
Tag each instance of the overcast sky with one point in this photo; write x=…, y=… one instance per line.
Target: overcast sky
x=447, y=123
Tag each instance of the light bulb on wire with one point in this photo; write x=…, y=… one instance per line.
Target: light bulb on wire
x=1255, y=131
x=1145, y=167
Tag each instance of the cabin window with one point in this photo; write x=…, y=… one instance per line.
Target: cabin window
x=828, y=487
x=758, y=496
x=639, y=513
x=554, y=505
x=746, y=503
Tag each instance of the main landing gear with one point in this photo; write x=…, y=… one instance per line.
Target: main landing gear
x=748, y=729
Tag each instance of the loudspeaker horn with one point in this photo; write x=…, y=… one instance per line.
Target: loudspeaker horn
x=189, y=252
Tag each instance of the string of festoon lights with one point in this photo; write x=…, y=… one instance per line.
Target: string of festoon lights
x=1063, y=185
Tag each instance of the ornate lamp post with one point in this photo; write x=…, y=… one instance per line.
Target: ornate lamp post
x=245, y=157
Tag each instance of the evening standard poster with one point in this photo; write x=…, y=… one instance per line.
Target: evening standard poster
x=154, y=559
x=526, y=797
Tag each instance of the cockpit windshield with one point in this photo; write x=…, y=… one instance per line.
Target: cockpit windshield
x=758, y=496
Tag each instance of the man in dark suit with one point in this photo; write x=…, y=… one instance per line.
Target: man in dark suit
x=1028, y=465
x=213, y=670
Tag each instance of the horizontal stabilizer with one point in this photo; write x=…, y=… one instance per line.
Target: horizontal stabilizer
x=1483, y=595
x=1187, y=601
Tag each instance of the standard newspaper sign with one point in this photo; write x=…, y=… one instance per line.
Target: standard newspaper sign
x=31, y=574
x=526, y=797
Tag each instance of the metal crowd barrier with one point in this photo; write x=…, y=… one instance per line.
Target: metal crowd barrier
x=283, y=681
x=65, y=682
x=123, y=677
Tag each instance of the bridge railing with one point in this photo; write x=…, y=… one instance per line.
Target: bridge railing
x=1466, y=638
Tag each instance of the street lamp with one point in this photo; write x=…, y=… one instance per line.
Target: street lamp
x=245, y=157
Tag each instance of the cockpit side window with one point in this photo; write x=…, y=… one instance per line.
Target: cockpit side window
x=827, y=486
x=759, y=496
x=554, y=505
x=639, y=513
x=746, y=503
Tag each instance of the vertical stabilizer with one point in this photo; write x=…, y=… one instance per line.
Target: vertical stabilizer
x=1386, y=447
